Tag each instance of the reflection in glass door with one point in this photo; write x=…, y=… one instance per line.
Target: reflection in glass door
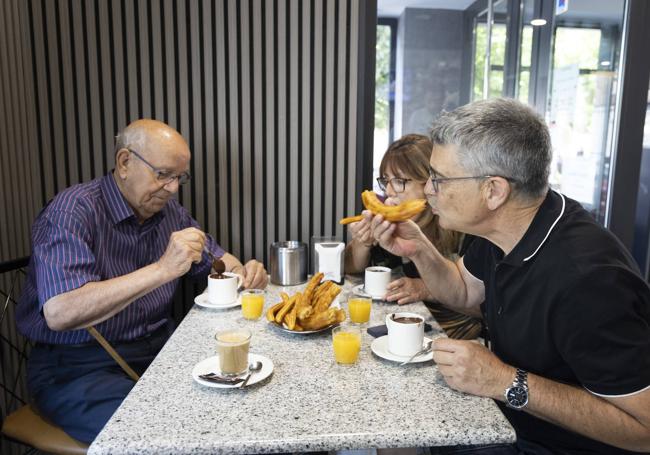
x=581, y=101
x=494, y=36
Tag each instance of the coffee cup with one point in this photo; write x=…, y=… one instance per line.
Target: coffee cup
x=405, y=333
x=376, y=281
x=232, y=347
x=222, y=289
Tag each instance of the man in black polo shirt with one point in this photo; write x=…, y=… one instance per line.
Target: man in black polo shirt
x=567, y=313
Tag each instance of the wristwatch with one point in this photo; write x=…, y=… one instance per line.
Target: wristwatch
x=517, y=394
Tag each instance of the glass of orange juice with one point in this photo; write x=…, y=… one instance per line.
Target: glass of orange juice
x=359, y=309
x=252, y=303
x=346, y=341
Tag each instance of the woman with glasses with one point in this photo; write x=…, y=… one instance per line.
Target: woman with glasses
x=403, y=172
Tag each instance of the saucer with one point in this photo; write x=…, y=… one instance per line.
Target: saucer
x=211, y=364
x=359, y=290
x=202, y=300
x=380, y=347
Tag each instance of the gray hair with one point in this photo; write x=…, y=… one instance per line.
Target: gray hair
x=131, y=137
x=500, y=137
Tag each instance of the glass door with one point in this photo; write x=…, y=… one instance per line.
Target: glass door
x=582, y=98
x=489, y=56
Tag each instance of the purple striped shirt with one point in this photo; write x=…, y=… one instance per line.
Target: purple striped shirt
x=88, y=232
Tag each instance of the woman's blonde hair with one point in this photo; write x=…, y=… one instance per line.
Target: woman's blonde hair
x=409, y=157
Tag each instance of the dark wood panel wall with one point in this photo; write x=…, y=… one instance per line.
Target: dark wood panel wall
x=265, y=91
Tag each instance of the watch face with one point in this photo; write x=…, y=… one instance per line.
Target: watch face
x=517, y=397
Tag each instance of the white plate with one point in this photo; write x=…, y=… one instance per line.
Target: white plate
x=379, y=346
x=359, y=290
x=303, y=332
x=202, y=300
x=211, y=365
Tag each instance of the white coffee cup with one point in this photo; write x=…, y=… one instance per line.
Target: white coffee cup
x=376, y=281
x=223, y=290
x=405, y=337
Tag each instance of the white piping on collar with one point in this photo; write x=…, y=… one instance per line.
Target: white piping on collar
x=550, y=229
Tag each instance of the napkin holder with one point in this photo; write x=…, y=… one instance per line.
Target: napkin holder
x=328, y=255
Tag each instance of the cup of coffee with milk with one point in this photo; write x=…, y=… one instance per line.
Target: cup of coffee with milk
x=232, y=347
x=405, y=333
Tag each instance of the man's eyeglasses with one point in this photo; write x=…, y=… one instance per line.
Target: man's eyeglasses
x=397, y=183
x=436, y=181
x=165, y=177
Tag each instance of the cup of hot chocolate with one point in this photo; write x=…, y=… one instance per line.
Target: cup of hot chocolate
x=376, y=281
x=222, y=288
x=405, y=333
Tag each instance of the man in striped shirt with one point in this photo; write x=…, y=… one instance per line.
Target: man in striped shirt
x=109, y=253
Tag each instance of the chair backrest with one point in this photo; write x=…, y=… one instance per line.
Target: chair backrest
x=14, y=348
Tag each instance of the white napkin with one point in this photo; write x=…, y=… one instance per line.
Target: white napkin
x=329, y=260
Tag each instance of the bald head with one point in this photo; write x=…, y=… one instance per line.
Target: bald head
x=150, y=137
x=151, y=160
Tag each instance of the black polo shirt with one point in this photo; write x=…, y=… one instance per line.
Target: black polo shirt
x=568, y=304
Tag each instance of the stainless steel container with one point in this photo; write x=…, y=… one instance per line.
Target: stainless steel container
x=288, y=263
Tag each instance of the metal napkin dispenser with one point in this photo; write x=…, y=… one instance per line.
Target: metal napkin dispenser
x=328, y=255
x=288, y=263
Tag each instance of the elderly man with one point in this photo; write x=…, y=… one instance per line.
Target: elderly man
x=109, y=253
x=568, y=315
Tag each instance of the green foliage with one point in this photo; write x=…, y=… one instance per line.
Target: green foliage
x=497, y=59
x=382, y=77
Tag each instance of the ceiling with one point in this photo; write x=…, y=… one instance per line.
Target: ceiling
x=394, y=8
x=606, y=11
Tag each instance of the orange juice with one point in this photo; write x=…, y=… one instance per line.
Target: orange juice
x=252, y=303
x=359, y=309
x=347, y=344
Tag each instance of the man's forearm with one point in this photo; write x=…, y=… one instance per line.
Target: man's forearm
x=578, y=410
x=97, y=301
x=357, y=257
x=232, y=264
x=443, y=280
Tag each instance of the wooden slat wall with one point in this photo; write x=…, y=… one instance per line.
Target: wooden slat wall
x=265, y=92
x=268, y=93
x=20, y=190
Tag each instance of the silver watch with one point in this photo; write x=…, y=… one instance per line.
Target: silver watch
x=517, y=394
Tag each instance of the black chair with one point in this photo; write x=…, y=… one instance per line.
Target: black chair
x=23, y=429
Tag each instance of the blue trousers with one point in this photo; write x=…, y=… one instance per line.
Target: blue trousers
x=80, y=387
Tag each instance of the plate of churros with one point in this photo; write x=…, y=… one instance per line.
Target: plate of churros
x=311, y=311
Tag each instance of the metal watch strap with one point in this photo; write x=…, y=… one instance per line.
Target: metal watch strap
x=519, y=390
x=521, y=378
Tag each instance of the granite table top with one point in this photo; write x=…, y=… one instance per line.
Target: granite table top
x=309, y=403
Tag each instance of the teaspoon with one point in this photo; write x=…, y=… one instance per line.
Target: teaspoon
x=253, y=367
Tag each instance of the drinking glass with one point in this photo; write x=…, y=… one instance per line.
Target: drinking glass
x=359, y=308
x=346, y=341
x=232, y=347
x=252, y=304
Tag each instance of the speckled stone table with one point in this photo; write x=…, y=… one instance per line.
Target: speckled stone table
x=309, y=403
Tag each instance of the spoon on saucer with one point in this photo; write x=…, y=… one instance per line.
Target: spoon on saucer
x=253, y=367
x=424, y=350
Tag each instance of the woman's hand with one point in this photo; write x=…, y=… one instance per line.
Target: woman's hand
x=361, y=232
x=407, y=290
